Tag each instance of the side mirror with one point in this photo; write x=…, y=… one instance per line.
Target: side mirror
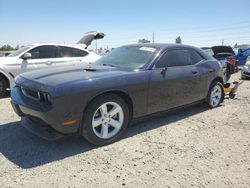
x=163, y=70
x=27, y=56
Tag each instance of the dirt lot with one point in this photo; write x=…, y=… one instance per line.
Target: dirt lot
x=192, y=147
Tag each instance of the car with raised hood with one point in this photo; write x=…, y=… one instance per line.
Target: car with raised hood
x=39, y=56
x=242, y=56
x=98, y=101
x=226, y=55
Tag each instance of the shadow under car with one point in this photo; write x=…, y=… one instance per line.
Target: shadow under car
x=27, y=150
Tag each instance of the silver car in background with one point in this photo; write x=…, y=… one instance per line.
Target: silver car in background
x=245, y=71
x=39, y=56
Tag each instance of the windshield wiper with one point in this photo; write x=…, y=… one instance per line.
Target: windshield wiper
x=110, y=65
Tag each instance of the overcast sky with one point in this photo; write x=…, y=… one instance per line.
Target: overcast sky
x=199, y=23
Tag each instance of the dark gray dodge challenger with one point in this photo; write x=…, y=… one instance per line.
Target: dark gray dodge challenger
x=99, y=100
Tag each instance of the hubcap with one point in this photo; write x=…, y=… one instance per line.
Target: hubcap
x=215, y=97
x=107, y=120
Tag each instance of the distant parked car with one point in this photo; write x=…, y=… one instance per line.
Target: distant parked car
x=38, y=56
x=5, y=53
x=245, y=71
x=242, y=55
x=100, y=99
x=224, y=54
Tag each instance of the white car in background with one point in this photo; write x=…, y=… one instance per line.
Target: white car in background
x=245, y=71
x=38, y=56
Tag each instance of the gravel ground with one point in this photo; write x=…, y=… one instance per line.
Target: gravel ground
x=191, y=147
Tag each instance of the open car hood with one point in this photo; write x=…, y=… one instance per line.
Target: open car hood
x=87, y=39
x=222, y=49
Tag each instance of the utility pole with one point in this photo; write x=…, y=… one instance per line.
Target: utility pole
x=222, y=42
x=153, y=40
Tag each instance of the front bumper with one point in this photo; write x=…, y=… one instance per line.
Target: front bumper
x=40, y=128
x=245, y=71
x=34, y=113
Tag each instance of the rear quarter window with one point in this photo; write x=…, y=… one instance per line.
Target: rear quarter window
x=195, y=57
x=71, y=52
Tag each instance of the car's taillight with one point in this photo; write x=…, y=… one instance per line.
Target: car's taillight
x=232, y=61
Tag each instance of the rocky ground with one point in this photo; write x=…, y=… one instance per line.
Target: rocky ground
x=191, y=147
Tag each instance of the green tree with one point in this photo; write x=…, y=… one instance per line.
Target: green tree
x=17, y=47
x=178, y=40
x=6, y=48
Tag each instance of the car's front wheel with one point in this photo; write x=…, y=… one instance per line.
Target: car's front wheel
x=3, y=87
x=215, y=94
x=105, y=119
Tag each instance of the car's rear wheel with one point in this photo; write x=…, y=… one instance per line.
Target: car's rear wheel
x=3, y=87
x=105, y=119
x=215, y=94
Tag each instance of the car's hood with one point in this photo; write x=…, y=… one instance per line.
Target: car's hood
x=56, y=77
x=222, y=49
x=7, y=60
x=89, y=37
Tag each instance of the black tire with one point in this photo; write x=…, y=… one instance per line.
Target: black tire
x=213, y=86
x=91, y=110
x=228, y=71
x=3, y=87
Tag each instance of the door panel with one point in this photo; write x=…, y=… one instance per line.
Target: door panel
x=35, y=64
x=177, y=86
x=68, y=56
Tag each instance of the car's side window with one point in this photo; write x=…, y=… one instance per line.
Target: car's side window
x=195, y=57
x=71, y=52
x=83, y=53
x=43, y=52
x=171, y=58
x=65, y=52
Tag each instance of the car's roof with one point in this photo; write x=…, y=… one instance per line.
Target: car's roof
x=160, y=45
x=58, y=44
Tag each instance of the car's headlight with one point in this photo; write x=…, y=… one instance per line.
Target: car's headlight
x=37, y=95
x=48, y=97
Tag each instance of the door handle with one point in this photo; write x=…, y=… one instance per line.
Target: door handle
x=163, y=70
x=78, y=60
x=49, y=62
x=194, y=72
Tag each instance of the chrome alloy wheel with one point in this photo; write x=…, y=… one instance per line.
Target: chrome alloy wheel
x=107, y=120
x=215, y=96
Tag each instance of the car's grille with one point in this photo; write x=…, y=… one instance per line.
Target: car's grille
x=36, y=95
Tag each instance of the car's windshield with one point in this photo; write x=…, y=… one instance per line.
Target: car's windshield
x=20, y=51
x=128, y=56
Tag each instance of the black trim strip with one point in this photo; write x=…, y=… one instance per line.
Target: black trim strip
x=11, y=75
